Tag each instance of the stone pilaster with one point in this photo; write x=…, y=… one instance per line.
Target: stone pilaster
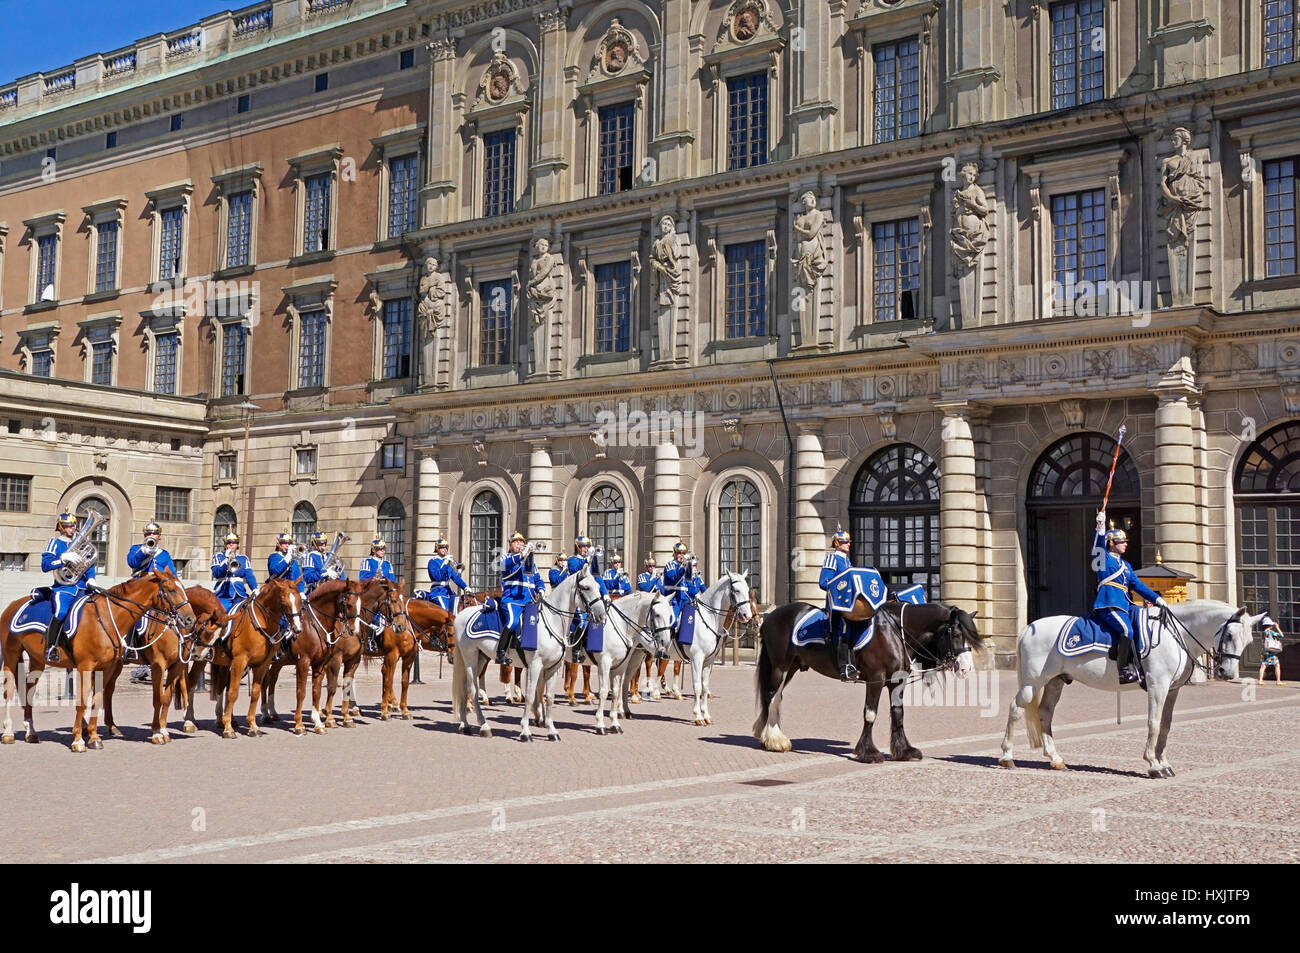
x=975, y=30
x=1177, y=522
x=958, y=506
x=667, y=514
x=443, y=152
x=550, y=112
x=817, y=75
x=428, y=508
x=670, y=145
x=810, y=533
x=541, y=494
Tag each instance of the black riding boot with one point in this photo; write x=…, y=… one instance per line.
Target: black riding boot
x=844, y=657
x=53, y=635
x=503, y=648
x=1125, y=658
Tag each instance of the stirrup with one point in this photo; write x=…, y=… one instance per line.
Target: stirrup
x=52, y=654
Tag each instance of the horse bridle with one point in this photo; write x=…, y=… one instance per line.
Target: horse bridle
x=736, y=603
x=949, y=628
x=564, y=614
x=643, y=629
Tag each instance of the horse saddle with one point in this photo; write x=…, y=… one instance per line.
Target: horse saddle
x=685, y=633
x=35, y=615
x=913, y=594
x=853, y=584
x=1079, y=636
x=812, y=625
x=486, y=623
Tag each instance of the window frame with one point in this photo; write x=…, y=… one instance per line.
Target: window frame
x=8, y=481
x=229, y=183
x=162, y=515
x=39, y=339
x=169, y=198
x=323, y=160
x=732, y=58
x=404, y=143
x=161, y=325
x=224, y=327
x=100, y=331
x=49, y=225
x=1041, y=39
x=98, y=214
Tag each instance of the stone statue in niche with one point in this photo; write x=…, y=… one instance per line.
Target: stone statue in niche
x=810, y=263
x=970, y=229
x=666, y=271
x=434, y=285
x=542, y=294
x=1183, y=187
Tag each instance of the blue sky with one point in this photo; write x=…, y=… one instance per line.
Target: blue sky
x=54, y=33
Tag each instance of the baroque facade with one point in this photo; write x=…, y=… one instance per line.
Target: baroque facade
x=731, y=271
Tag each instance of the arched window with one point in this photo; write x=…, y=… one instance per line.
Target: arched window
x=740, y=537
x=1064, y=493
x=392, y=530
x=605, y=521
x=93, y=504
x=484, y=541
x=304, y=524
x=223, y=523
x=1267, y=498
x=894, y=517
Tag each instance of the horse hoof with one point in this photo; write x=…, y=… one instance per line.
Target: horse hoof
x=270, y=719
x=600, y=731
x=553, y=736
x=319, y=730
x=7, y=740
x=78, y=746
x=617, y=729
x=349, y=723
x=254, y=733
x=114, y=731
x=1060, y=766
x=32, y=738
x=1006, y=763
x=655, y=696
x=1154, y=773
x=1169, y=772
x=872, y=757
x=299, y=730
x=190, y=728
x=699, y=722
x=708, y=721
x=911, y=754
x=525, y=737
x=486, y=732
x=383, y=717
x=157, y=740
x=95, y=745
x=228, y=733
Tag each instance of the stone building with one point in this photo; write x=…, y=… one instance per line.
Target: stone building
x=731, y=271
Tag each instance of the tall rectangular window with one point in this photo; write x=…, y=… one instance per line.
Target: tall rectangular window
x=43, y=363
x=106, y=256
x=316, y=213
x=494, y=323
x=747, y=289
x=615, y=173
x=499, y=172
x=239, y=229
x=613, y=307
x=1078, y=52
x=1279, y=217
x=747, y=120
x=15, y=493
x=403, y=187
x=897, y=89
x=311, y=349
x=166, y=347
x=397, y=338
x=101, y=363
x=47, y=253
x=172, y=504
x=233, y=347
x=169, y=248
x=1078, y=242
x=1281, y=32
x=896, y=269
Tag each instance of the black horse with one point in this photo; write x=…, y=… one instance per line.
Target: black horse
x=933, y=633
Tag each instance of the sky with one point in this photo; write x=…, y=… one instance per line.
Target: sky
x=53, y=33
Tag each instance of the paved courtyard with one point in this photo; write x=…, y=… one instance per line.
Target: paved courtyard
x=669, y=791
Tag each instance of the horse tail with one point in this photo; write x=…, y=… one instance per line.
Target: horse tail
x=219, y=683
x=1033, y=724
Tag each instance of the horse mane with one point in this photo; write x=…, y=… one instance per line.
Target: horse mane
x=967, y=623
x=328, y=588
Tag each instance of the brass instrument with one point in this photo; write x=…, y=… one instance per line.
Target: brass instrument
x=333, y=562
x=83, y=551
x=150, y=547
x=297, y=553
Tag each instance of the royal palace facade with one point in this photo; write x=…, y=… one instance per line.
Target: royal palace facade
x=737, y=272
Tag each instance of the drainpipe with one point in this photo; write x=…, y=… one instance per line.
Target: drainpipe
x=789, y=480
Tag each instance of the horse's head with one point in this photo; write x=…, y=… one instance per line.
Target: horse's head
x=349, y=605
x=590, y=598
x=285, y=593
x=659, y=620
x=1231, y=641
x=742, y=601
x=211, y=619
x=959, y=639
x=395, y=606
x=171, y=598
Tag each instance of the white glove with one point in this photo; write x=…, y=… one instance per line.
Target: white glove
x=1101, y=522
x=256, y=590
x=1161, y=602
x=93, y=586
x=528, y=549
x=467, y=591
x=331, y=573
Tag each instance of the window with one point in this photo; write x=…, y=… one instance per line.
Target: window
x=1279, y=217
x=228, y=467
x=397, y=338
x=1281, y=32
x=392, y=455
x=494, y=323
x=406, y=59
x=178, y=120
x=101, y=363
x=223, y=524
x=392, y=530
x=233, y=351
x=1078, y=243
x=311, y=349
x=15, y=492
x=739, y=533
x=613, y=307
x=239, y=228
x=169, y=252
x=322, y=82
x=894, y=515
x=12, y=562
x=106, y=255
x=316, y=216
x=172, y=504
x=304, y=524
x=615, y=173
x=166, y=348
x=896, y=269
x=485, y=520
x=110, y=140
x=746, y=121
x=305, y=461
x=99, y=537
x=897, y=89
x=499, y=173
x=403, y=188
x=47, y=252
x=43, y=363
x=242, y=104
x=1078, y=45
x=605, y=520
x=746, y=289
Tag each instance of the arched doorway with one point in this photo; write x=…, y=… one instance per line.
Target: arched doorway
x=100, y=537
x=605, y=516
x=740, y=530
x=392, y=530
x=1065, y=491
x=485, y=520
x=1266, y=497
x=223, y=523
x=894, y=517
x=303, y=524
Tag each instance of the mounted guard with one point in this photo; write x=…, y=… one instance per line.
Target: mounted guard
x=1115, y=580
x=376, y=565
x=323, y=564
x=559, y=571
x=442, y=573
x=676, y=581
x=517, y=590
x=150, y=556
x=615, y=578
x=233, y=574
x=649, y=580
x=70, y=556
x=845, y=586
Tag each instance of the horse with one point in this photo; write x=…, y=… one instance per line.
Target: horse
x=347, y=650
x=1044, y=672
x=654, y=683
x=712, y=620
x=167, y=652
x=96, y=645
x=332, y=604
x=556, y=609
x=252, y=643
x=637, y=623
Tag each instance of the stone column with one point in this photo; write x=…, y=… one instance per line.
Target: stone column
x=810, y=533
x=1177, y=526
x=443, y=148
x=550, y=112
x=428, y=509
x=667, y=514
x=958, y=502
x=817, y=75
x=541, y=493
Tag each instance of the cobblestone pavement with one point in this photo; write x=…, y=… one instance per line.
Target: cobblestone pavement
x=669, y=791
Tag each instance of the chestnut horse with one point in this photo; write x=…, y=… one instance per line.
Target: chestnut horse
x=166, y=652
x=333, y=607
x=378, y=597
x=96, y=645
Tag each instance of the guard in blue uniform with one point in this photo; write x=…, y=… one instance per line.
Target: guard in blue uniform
x=281, y=565
x=837, y=561
x=558, y=572
x=55, y=557
x=649, y=580
x=676, y=581
x=517, y=590
x=233, y=574
x=695, y=588
x=614, y=578
x=1115, y=579
x=442, y=573
x=315, y=569
x=583, y=556
x=149, y=556
x=376, y=564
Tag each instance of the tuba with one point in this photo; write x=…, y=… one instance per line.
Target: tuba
x=333, y=562
x=82, y=547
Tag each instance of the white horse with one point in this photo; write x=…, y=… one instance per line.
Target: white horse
x=636, y=624
x=713, y=609
x=579, y=592
x=1044, y=672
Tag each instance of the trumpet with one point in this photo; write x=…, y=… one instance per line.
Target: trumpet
x=83, y=552
x=297, y=553
x=150, y=547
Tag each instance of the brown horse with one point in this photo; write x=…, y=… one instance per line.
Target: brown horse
x=333, y=606
x=166, y=651
x=96, y=646
x=251, y=645
x=379, y=598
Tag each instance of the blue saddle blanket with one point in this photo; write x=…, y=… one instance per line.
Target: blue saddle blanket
x=912, y=594
x=813, y=626
x=35, y=614
x=485, y=623
x=686, y=626
x=1080, y=636
x=845, y=589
